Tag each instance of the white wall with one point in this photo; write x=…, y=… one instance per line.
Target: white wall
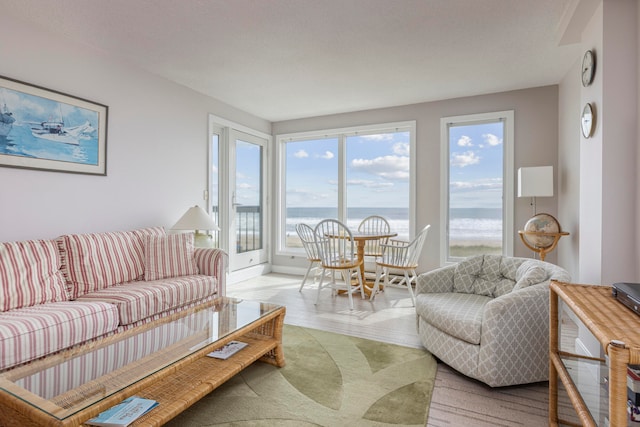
x=156, y=148
x=605, y=179
x=536, y=138
x=569, y=168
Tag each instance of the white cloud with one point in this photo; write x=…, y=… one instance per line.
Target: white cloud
x=491, y=139
x=244, y=185
x=464, y=159
x=378, y=137
x=486, y=184
x=328, y=155
x=400, y=148
x=465, y=141
x=300, y=154
x=369, y=183
x=388, y=167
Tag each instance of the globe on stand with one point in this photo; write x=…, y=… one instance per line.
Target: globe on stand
x=541, y=234
x=541, y=223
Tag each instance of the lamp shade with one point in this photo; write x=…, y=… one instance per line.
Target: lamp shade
x=195, y=219
x=535, y=181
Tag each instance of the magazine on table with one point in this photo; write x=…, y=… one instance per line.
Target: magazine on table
x=123, y=413
x=228, y=350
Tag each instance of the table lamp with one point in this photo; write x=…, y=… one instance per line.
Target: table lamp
x=535, y=182
x=198, y=220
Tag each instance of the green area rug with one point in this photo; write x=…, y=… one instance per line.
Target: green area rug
x=329, y=380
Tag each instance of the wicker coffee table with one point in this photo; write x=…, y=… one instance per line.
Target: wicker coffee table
x=164, y=360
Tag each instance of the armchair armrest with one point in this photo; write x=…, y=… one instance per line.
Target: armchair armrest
x=213, y=262
x=515, y=326
x=436, y=281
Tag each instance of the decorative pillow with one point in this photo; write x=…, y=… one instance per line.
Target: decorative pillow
x=529, y=274
x=30, y=274
x=169, y=256
x=91, y=262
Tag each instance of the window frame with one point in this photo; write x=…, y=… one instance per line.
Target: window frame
x=508, y=208
x=341, y=134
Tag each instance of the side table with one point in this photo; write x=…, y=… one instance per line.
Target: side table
x=617, y=330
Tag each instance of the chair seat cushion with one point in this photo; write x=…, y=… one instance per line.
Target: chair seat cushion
x=138, y=300
x=29, y=333
x=456, y=314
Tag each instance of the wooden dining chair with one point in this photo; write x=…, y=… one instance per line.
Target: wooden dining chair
x=374, y=224
x=336, y=248
x=399, y=255
x=307, y=237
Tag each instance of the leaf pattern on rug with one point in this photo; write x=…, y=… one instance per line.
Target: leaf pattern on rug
x=307, y=359
x=329, y=380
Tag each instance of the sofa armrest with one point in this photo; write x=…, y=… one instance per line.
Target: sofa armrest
x=436, y=281
x=213, y=262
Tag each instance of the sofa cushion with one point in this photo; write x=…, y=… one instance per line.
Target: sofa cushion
x=456, y=314
x=169, y=256
x=91, y=262
x=139, y=300
x=32, y=332
x=30, y=274
x=529, y=273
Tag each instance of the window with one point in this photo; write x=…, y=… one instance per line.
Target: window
x=477, y=192
x=214, y=180
x=346, y=174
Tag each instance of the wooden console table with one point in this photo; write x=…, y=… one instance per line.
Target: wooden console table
x=616, y=328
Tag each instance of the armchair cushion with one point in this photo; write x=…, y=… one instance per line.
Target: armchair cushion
x=488, y=275
x=458, y=315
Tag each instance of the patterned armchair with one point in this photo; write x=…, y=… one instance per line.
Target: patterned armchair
x=488, y=317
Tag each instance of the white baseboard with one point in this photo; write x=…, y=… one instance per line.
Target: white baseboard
x=248, y=273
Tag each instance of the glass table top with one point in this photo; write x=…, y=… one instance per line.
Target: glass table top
x=68, y=382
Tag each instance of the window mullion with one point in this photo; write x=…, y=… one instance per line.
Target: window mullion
x=342, y=177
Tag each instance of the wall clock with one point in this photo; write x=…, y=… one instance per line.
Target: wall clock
x=587, y=121
x=588, y=67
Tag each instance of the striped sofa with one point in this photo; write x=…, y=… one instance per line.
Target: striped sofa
x=488, y=317
x=55, y=294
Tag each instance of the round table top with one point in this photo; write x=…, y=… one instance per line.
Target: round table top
x=359, y=235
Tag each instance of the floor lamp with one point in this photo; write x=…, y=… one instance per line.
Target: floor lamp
x=535, y=182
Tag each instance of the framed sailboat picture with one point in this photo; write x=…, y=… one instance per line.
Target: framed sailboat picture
x=48, y=130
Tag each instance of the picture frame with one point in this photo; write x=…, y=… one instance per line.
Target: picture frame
x=44, y=129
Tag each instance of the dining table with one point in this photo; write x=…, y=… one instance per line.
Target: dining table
x=361, y=239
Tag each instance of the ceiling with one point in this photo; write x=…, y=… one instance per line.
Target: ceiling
x=287, y=59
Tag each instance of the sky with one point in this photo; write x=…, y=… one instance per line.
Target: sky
x=377, y=171
x=476, y=164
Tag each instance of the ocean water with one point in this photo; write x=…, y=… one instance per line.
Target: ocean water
x=467, y=224
x=20, y=142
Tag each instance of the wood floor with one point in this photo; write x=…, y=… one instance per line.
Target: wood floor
x=457, y=400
